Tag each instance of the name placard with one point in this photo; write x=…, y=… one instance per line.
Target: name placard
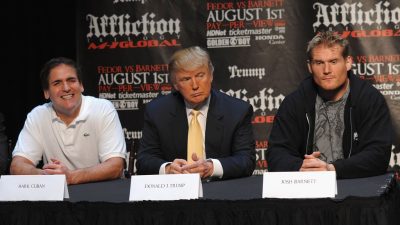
x=165, y=187
x=33, y=188
x=299, y=184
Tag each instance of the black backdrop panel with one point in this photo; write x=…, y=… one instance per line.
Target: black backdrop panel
x=257, y=47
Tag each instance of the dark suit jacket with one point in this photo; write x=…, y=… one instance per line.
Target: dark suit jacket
x=229, y=134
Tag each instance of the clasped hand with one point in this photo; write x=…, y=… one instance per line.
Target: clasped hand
x=180, y=166
x=313, y=163
x=57, y=167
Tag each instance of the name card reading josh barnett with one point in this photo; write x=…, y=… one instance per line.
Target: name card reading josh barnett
x=165, y=187
x=299, y=184
x=299, y=181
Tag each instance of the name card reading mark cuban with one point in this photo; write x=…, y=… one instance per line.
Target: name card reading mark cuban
x=31, y=185
x=165, y=187
x=299, y=184
x=33, y=188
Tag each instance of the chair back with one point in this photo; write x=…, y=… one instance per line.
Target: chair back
x=133, y=148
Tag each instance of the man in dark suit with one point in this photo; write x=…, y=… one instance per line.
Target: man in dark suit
x=228, y=149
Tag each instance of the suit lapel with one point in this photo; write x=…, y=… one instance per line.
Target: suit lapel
x=214, y=127
x=179, y=128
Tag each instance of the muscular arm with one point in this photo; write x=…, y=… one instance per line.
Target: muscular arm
x=23, y=166
x=109, y=169
x=371, y=148
x=286, y=148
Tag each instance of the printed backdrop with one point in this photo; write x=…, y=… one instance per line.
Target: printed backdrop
x=257, y=47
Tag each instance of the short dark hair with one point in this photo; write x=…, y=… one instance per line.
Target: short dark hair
x=328, y=38
x=54, y=62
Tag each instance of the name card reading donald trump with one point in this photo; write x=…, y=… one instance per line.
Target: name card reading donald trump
x=321, y=184
x=165, y=187
x=33, y=188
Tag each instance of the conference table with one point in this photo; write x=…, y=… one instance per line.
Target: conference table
x=366, y=201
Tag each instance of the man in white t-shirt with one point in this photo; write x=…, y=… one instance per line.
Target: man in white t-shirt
x=79, y=136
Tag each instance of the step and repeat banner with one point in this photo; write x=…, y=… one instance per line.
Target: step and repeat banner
x=257, y=47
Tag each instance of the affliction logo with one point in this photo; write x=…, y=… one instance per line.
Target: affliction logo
x=354, y=14
x=263, y=101
x=120, y=32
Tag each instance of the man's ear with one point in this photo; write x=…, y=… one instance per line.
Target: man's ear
x=349, y=61
x=309, y=66
x=175, y=86
x=46, y=94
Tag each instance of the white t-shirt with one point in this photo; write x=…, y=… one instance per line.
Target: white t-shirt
x=93, y=137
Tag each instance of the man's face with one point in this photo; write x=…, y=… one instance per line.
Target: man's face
x=329, y=70
x=194, y=85
x=64, y=90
